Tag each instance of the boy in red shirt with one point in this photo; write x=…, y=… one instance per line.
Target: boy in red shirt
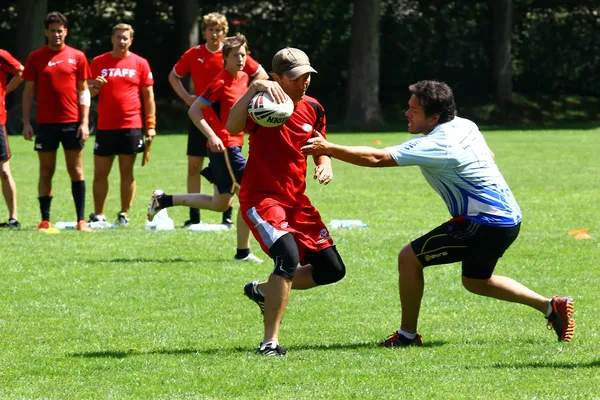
x=122, y=80
x=272, y=197
x=227, y=162
x=204, y=62
x=8, y=65
x=58, y=74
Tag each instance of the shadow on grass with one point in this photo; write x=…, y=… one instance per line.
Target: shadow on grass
x=152, y=260
x=237, y=349
x=541, y=364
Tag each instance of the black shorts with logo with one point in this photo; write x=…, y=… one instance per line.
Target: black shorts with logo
x=4, y=147
x=478, y=246
x=217, y=172
x=119, y=141
x=196, y=145
x=49, y=136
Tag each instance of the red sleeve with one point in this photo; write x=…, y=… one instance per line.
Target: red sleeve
x=252, y=66
x=95, y=68
x=214, y=91
x=147, y=78
x=30, y=73
x=83, y=69
x=183, y=65
x=8, y=63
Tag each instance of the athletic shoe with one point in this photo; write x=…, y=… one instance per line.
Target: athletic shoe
x=228, y=223
x=96, y=218
x=398, y=340
x=122, y=219
x=251, y=292
x=14, y=224
x=249, y=258
x=560, y=319
x=189, y=223
x=44, y=225
x=83, y=226
x=272, y=350
x=154, y=206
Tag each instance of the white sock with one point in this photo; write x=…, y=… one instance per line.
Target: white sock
x=549, y=309
x=271, y=344
x=407, y=335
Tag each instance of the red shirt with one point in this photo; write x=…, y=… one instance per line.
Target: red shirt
x=56, y=74
x=276, y=168
x=221, y=94
x=119, y=99
x=8, y=65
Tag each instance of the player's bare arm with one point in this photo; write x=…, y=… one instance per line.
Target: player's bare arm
x=358, y=155
x=323, y=169
x=15, y=81
x=197, y=116
x=150, y=112
x=177, y=86
x=83, y=131
x=28, y=95
x=94, y=85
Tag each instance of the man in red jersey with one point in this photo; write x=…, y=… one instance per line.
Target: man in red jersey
x=272, y=197
x=8, y=65
x=220, y=95
x=204, y=62
x=58, y=74
x=122, y=80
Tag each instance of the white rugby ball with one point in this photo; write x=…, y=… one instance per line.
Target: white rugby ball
x=265, y=112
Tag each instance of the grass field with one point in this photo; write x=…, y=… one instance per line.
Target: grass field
x=129, y=313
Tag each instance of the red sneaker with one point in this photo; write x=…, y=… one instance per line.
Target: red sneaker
x=44, y=225
x=398, y=340
x=83, y=226
x=560, y=319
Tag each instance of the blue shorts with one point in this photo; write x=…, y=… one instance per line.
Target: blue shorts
x=217, y=172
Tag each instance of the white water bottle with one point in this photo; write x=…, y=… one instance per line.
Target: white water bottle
x=65, y=225
x=346, y=224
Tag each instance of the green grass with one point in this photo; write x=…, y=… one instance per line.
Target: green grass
x=129, y=313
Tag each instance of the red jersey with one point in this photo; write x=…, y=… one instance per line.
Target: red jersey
x=221, y=94
x=119, y=99
x=56, y=74
x=8, y=65
x=276, y=168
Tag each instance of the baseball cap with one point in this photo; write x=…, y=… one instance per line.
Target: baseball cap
x=291, y=62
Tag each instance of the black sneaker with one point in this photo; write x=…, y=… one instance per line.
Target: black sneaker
x=13, y=224
x=96, y=218
x=190, y=222
x=228, y=223
x=271, y=350
x=398, y=340
x=251, y=292
x=122, y=219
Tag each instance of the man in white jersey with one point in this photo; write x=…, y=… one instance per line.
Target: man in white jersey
x=457, y=163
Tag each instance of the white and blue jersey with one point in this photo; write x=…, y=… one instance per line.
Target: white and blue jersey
x=457, y=163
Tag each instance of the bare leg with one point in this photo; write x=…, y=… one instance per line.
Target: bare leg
x=217, y=202
x=507, y=289
x=102, y=167
x=411, y=284
x=277, y=293
x=126, y=163
x=243, y=232
x=9, y=189
x=47, y=168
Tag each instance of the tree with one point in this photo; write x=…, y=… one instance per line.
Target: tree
x=363, y=108
x=501, y=13
x=187, y=28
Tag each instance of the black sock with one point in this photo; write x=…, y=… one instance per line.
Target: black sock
x=194, y=213
x=45, y=207
x=242, y=253
x=78, y=191
x=227, y=215
x=165, y=201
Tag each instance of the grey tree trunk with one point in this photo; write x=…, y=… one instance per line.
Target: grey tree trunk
x=363, y=108
x=187, y=30
x=502, y=11
x=30, y=34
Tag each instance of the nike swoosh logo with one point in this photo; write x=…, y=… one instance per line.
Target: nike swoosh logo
x=52, y=64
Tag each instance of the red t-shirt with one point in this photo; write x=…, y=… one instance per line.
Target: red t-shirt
x=221, y=94
x=56, y=74
x=276, y=168
x=8, y=65
x=119, y=99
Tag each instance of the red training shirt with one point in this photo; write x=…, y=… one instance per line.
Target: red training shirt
x=56, y=74
x=276, y=168
x=8, y=65
x=119, y=99
x=221, y=94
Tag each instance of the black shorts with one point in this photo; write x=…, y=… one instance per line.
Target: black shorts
x=478, y=246
x=196, y=145
x=48, y=137
x=217, y=172
x=4, y=147
x=119, y=141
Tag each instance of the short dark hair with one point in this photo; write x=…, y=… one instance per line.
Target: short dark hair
x=232, y=42
x=55, y=17
x=436, y=98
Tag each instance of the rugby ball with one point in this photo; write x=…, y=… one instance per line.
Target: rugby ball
x=265, y=112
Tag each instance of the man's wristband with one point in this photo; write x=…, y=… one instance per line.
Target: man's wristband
x=150, y=121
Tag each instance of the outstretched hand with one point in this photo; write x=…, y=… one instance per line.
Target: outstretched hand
x=316, y=145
